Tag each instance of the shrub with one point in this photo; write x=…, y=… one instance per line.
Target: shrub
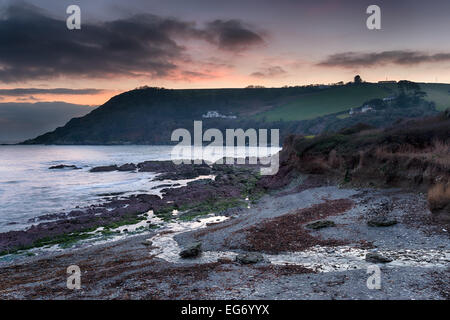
x=356, y=129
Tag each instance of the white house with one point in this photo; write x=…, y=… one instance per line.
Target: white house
x=366, y=109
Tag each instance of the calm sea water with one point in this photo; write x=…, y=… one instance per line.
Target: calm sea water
x=29, y=189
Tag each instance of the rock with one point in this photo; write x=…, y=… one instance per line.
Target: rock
x=225, y=260
x=249, y=258
x=177, y=175
x=147, y=243
x=381, y=222
x=203, y=171
x=377, y=258
x=199, y=181
x=64, y=166
x=127, y=167
x=156, y=166
x=321, y=224
x=104, y=168
x=110, y=194
x=191, y=251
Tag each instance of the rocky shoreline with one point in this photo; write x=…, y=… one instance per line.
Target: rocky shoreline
x=203, y=188
x=223, y=232
x=298, y=263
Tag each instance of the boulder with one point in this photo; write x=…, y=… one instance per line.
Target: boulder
x=191, y=251
x=64, y=166
x=375, y=257
x=321, y=224
x=203, y=171
x=104, y=168
x=147, y=243
x=127, y=167
x=381, y=222
x=249, y=258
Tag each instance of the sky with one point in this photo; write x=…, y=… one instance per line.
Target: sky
x=212, y=44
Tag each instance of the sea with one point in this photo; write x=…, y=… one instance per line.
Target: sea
x=28, y=188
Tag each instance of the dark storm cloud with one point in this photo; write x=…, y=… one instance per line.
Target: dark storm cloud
x=269, y=72
x=232, y=35
x=29, y=91
x=399, y=57
x=34, y=45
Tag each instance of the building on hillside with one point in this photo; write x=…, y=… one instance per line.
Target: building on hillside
x=366, y=108
x=362, y=109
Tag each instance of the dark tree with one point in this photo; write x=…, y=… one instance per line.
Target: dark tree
x=358, y=79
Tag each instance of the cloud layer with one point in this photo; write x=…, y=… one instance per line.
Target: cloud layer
x=34, y=45
x=269, y=72
x=398, y=57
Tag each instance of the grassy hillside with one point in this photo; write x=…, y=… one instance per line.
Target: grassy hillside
x=332, y=100
x=149, y=115
x=439, y=93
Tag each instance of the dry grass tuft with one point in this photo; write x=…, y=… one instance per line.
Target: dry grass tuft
x=438, y=196
x=438, y=152
x=333, y=159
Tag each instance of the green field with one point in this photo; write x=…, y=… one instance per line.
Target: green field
x=438, y=93
x=327, y=101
